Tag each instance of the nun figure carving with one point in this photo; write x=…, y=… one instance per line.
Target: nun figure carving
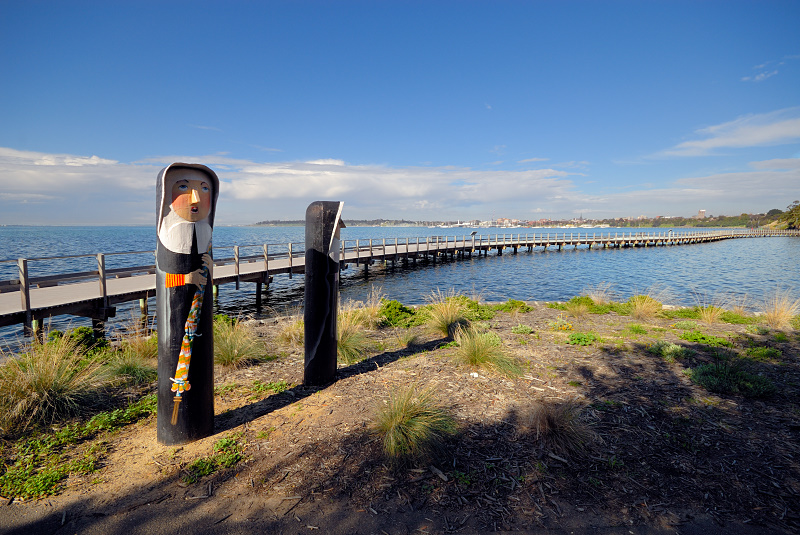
x=186, y=195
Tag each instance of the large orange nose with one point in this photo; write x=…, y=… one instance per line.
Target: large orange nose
x=195, y=196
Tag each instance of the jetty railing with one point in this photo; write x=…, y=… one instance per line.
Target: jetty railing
x=257, y=262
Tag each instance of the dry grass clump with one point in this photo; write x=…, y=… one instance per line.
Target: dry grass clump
x=137, y=336
x=366, y=313
x=577, y=309
x=709, y=310
x=644, y=306
x=602, y=294
x=48, y=382
x=485, y=350
x=235, y=345
x=779, y=309
x=739, y=304
x=445, y=313
x=413, y=424
x=558, y=426
x=291, y=332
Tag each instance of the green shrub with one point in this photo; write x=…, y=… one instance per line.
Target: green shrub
x=413, y=425
x=581, y=339
x=560, y=324
x=737, y=319
x=668, y=351
x=730, y=378
x=706, y=339
x=692, y=313
x=637, y=329
x=512, y=306
x=396, y=314
x=521, y=329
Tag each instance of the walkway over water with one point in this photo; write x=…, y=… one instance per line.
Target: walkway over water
x=28, y=300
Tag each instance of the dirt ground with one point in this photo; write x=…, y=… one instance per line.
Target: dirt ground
x=670, y=457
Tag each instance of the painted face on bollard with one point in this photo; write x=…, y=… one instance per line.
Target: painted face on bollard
x=191, y=194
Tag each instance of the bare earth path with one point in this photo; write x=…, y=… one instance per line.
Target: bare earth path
x=671, y=457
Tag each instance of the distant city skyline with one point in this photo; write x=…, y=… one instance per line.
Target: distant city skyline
x=411, y=110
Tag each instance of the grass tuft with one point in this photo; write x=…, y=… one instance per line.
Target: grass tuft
x=292, y=332
x=558, y=426
x=352, y=344
x=413, y=425
x=644, y=307
x=485, y=350
x=446, y=313
x=779, y=310
x=602, y=294
x=48, y=382
x=235, y=345
x=668, y=351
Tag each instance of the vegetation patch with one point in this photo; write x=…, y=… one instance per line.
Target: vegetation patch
x=581, y=339
x=557, y=427
x=396, y=314
x=35, y=467
x=731, y=378
x=699, y=337
x=261, y=389
x=227, y=452
x=764, y=354
x=560, y=324
x=513, y=306
x=668, y=351
x=522, y=329
x=235, y=345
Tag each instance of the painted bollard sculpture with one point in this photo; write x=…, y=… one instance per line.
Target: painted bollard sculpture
x=186, y=196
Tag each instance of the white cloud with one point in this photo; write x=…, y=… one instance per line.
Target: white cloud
x=92, y=190
x=529, y=160
x=774, y=128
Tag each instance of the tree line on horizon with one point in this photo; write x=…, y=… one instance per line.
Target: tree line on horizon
x=775, y=217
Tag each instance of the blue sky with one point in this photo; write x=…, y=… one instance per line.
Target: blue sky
x=405, y=110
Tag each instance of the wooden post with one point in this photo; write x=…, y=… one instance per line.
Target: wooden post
x=321, y=305
x=236, y=264
x=290, y=260
x=184, y=304
x=25, y=295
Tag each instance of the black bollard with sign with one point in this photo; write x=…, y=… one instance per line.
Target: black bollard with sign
x=323, y=224
x=186, y=196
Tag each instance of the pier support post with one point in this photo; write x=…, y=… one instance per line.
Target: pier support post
x=323, y=224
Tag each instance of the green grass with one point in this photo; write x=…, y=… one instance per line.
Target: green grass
x=685, y=325
x=132, y=366
x=412, y=425
x=484, y=350
x=764, y=354
x=227, y=452
x=261, y=389
x=36, y=466
x=731, y=378
x=636, y=329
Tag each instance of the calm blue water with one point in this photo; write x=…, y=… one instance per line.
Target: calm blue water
x=751, y=267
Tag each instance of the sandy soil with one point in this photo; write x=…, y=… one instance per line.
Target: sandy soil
x=670, y=457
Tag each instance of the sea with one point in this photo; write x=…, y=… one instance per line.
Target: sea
x=746, y=270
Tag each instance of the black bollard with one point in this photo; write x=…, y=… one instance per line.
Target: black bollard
x=323, y=222
x=186, y=196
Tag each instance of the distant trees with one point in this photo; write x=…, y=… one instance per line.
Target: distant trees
x=792, y=215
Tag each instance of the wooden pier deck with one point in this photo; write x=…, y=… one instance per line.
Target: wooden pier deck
x=96, y=293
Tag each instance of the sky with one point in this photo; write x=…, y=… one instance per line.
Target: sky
x=434, y=110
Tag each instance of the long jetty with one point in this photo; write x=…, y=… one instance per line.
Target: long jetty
x=95, y=293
